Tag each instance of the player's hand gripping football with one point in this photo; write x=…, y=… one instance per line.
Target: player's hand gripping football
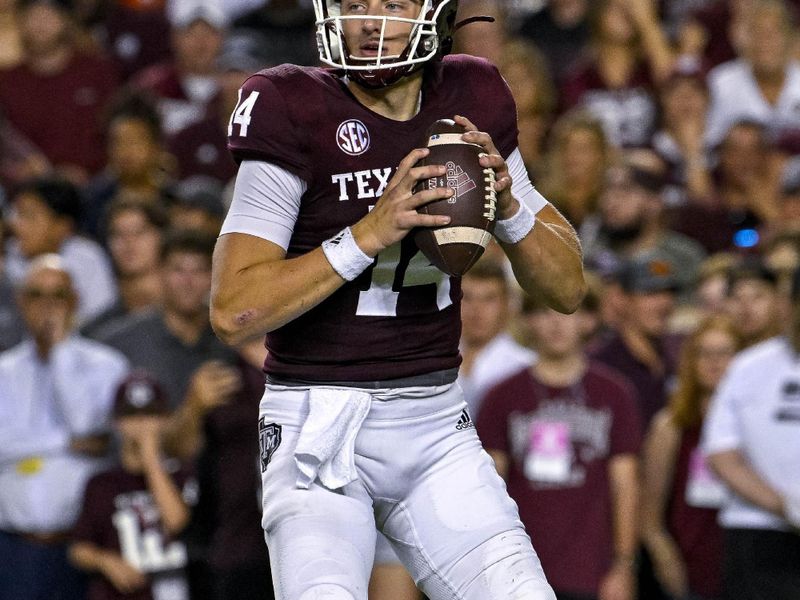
x=395, y=213
x=507, y=205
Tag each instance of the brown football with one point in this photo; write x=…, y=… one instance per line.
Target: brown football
x=454, y=248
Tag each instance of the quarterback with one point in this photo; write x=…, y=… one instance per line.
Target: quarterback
x=362, y=424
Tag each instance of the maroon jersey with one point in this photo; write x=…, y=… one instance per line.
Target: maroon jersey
x=401, y=316
x=695, y=529
x=559, y=442
x=62, y=113
x=120, y=515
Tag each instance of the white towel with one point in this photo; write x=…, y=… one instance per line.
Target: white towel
x=326, y=447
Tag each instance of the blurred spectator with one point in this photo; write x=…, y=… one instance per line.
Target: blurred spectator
x=12, y=328
x=57, y=78
x=229, y=509
x=137, y=34
x=762, y=85
x=714, y=34
x=175, y=343
x=138, y=167
x=641, y=348
x=575, y=166
x=11, y=52
x=781, y=255
x=681, y=139
x=680, y=495
x=561, y=31
x=630, y=223
x=127, y=535
x=44, y=217
x=489, y=354
x=709, y=295
x=134, y=231
x=202, y=148
x=755, y=301
x=745, y=195
x=481, y=38
x=197, y=205
x=280, y=31
x=19, y=158
x=185, y=86
x=751, y=438
x=629, y=54
x=56, y=393
x=526, y=73
x=565, y=435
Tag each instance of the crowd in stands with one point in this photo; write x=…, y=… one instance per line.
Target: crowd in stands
x=651, y=439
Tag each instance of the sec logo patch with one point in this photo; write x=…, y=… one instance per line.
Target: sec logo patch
x=353, y=137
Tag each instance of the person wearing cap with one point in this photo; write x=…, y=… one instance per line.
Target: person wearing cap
x=197, y=205
x=640, y=347
x=754, y=300
x=185, y=86
x=56, y=97
x=127, y=537
x=630, y=223
x=202, y=147
x=56, y=395
x=565, y=433
x=751, y=439
x=45, y=216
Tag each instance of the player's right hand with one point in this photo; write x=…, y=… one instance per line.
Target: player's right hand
x=395, y=213
x=122, y=575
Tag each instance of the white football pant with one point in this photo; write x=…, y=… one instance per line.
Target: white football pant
x=426, y=482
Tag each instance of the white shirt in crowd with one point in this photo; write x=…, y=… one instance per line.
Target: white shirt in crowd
x=498, y=360
x=735, y=96
x=42, y=406
x=756, y=410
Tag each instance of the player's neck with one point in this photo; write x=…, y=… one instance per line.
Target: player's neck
x=560, y=371
x=399, y=102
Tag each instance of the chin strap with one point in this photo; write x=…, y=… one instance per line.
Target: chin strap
x=475, y=19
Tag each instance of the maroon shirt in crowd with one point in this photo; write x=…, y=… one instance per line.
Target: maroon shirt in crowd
x=559, y=442
x=202, y=149
x=62, y=114
x=230, y=478
x=628, y=113
x=347, y=154
x=695, y=529
x=120, y=515
x=651, y=388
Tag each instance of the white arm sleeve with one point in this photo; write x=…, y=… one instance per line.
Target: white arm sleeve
x=521, y=186
x=266, y=202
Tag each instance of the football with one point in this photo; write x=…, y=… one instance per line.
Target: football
x=457, y=246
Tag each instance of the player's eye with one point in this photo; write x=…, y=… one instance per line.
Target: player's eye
x=349, y=8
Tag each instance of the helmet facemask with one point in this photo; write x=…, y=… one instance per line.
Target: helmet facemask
x=430, y=38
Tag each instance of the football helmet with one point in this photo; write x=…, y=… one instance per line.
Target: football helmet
x=431, y=38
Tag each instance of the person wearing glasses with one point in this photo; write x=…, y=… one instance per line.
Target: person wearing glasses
x=56, y=394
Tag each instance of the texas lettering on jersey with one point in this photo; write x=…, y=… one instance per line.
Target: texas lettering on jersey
x=401, y=317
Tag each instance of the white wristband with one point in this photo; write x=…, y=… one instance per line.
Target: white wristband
x=346, y=258
x=514, y=229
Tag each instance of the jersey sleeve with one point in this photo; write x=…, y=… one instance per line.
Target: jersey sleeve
x=500, y=109
x=261, y=126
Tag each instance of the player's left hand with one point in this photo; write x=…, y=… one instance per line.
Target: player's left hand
x=507, y=205
x=618, y=584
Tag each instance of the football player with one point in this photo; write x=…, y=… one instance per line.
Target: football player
x=361, y=422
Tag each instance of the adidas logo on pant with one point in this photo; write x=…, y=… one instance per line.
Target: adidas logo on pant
x=464, y=421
